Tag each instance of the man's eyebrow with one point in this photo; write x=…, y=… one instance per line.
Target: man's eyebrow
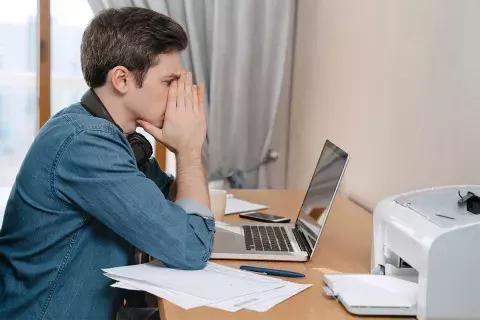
x=172, y=76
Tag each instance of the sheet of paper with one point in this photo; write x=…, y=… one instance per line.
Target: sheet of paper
x=123, y=285
x=270, y=303
x=188, y=302
x=256, y=302
x=260, y=302
x=214, y=282
x=183, y=300
x=235, y=205
x=241, y=302
x=264, y=300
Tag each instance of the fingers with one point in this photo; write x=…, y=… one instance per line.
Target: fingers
x=201, y=94
x=157, y=133
x=188, y=91
x=181, y=92
x=172, y=96
x=196, y=107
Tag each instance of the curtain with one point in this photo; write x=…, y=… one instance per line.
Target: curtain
x=238, y=49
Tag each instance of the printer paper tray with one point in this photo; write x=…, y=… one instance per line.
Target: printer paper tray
x=373, y=294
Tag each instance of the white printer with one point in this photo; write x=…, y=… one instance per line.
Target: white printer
x=425, y=258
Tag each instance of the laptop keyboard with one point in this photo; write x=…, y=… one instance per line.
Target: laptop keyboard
x=266, y=238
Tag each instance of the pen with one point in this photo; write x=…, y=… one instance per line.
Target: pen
x=273, y=272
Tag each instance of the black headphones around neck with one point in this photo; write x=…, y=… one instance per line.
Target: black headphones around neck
x=142, y=149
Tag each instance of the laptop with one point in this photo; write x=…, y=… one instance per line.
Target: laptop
x=281, y=241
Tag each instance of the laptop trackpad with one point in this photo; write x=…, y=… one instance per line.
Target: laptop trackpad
x=227, y=238
x=228, y=228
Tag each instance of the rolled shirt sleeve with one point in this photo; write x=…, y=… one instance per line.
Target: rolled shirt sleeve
x=194, y=207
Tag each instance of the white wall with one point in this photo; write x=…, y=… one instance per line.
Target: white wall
x=394, y=82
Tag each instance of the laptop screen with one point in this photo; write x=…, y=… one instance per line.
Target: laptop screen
x=321, y=192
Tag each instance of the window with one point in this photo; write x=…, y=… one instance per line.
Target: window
x=68, y=21
x=21, y=113
x=4, y=130
x=18, y=49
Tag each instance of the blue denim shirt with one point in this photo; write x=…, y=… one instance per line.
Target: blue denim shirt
x=80, y=204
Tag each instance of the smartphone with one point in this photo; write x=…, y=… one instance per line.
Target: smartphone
x=258, y=216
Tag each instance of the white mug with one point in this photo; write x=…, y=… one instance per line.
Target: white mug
x=218, y=203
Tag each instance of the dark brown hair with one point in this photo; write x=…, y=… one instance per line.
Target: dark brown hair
x=131, y=37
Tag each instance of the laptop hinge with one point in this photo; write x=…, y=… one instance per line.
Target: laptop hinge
x=307, y=244
x=304, y=241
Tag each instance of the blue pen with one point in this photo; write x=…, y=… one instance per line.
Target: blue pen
x=273, y=272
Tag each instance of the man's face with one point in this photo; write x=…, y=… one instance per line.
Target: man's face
x=149, y=102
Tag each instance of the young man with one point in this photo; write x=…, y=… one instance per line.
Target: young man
x=80, y=203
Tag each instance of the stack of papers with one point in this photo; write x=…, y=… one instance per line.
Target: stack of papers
x=215, y=286
x=235, y=205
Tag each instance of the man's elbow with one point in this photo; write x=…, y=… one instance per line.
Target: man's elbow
x=192, y=262
x=197, y=264
x=198, y=248
x=198, y=259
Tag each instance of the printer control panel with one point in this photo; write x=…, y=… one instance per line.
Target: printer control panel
x=441, y=206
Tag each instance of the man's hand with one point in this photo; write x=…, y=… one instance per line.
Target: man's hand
x=184, y=128
x=183, y=133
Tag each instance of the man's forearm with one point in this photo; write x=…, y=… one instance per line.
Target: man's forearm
x=191, y=179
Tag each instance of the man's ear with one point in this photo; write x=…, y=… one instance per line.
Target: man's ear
x=119, y=77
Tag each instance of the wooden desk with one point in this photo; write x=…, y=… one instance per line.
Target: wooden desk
x=344, y=247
